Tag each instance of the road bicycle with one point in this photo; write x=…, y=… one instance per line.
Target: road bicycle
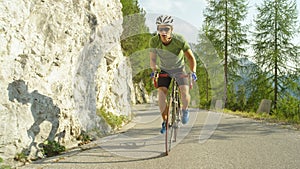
x=174, y=113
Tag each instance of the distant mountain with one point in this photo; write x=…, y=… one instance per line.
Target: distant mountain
x=245, y=72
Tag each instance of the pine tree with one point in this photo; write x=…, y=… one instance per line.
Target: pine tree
x=204, y=96
x=275, y=26
x=135, y=41
x=210, y=72
x=224, y=28
x=258, y=87
x=135, y=34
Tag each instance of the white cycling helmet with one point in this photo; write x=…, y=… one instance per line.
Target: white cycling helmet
x=164, y=20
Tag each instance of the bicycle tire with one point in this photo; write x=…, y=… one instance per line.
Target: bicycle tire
x=167, y=135
x=172, y=125
x=170, y=138
x=176, y=113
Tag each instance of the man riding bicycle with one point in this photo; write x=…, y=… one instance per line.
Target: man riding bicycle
x=171, y=48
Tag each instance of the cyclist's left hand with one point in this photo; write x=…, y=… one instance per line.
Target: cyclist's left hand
x=194, y=76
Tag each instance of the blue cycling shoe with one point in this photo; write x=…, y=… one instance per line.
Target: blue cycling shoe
x=163, y=128
x=185, y=116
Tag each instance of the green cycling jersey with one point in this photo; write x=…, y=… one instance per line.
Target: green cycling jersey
x=172, y=55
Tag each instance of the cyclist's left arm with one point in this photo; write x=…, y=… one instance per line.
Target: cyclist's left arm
x=191, y=59
x=192, y=63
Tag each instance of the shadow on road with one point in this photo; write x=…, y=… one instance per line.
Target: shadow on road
x=231, y=128
x=96, y=155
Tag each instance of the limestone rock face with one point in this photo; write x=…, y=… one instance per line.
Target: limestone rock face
x=60, y=61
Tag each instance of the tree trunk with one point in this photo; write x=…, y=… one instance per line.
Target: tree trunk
x=276, y=55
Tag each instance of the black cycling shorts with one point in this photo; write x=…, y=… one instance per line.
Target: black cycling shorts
x=165, y=81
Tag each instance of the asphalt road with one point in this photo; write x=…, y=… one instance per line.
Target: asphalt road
x=210, y=140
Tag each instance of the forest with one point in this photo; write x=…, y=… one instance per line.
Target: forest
x=270, y=71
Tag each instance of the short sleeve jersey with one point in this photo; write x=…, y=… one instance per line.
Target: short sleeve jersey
x=172, y=55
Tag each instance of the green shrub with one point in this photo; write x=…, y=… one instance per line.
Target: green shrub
x=84, y=138
x=113, y=120
x=288, y=107
x=21, y=156
x=52, y=148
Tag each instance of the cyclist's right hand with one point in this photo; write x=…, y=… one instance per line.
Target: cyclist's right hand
x=152, y=75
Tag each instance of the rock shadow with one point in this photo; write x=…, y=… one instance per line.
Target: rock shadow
x=42, y=109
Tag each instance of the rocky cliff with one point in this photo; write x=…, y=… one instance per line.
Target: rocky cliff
x=60, y=62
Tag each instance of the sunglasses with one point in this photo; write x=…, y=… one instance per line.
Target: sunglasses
x=164, y=29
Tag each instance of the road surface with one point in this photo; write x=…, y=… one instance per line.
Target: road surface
x=210, y=140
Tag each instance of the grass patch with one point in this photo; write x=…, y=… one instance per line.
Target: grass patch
x=3, y=166
x=116, y=122
x=266, y=117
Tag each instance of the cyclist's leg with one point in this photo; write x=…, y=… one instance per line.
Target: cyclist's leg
x=162, y=102
x=185, y=96
x=163, y=85
x=183, y=84
x=185, y=99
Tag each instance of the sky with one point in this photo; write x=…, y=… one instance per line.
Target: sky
x=188, y=14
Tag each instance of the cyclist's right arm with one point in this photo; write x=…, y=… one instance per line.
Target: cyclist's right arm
x=153, y=67
x=153, y=61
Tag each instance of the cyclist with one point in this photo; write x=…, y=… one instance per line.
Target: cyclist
x=171, y=48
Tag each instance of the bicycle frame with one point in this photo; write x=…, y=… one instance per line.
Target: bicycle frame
x=175, y=114
x=174, y=111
